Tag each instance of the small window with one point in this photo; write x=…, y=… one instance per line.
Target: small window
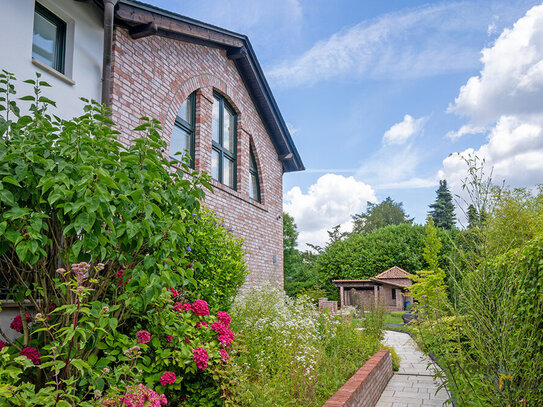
x=49, y=39
x=182, y=141
x=393, y=293
x=254, y=187
x=223, y=157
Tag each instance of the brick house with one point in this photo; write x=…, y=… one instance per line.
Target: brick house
x=389, y=288
x=202, y=82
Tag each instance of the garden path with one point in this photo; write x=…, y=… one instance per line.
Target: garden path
x=413, y=385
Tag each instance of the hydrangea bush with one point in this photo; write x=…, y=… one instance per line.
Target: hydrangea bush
x=105, y=247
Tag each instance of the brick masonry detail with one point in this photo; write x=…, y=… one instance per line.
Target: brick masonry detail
x=152, y=77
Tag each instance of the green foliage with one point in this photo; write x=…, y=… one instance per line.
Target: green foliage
x=220, y=261
x=300, y=278
x=490, y=346
x=100, y=230
x=442, y=210
x=380, y=215
x=429, y=290
x=294, y=355
x=363, y=256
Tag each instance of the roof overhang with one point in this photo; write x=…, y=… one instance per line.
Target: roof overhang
x=366, y=283
x=143, y=20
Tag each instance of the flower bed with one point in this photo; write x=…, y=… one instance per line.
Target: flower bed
x=293, y=354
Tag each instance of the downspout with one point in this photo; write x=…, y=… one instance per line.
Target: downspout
x=109, y=15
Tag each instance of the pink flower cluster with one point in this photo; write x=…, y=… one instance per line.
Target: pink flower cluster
x=172, y=290
x=224, y=317
x=141, y=396
x=200, y=307
x=178, y=306
x=143, y=336
x=226, y=336
x=201, y=323
x=201, y=357
x=224, y=355
x=169, y=338
x=17, y=323
x=167, y=378
x=31, y=353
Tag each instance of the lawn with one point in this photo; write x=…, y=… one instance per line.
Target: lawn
x=394, y=317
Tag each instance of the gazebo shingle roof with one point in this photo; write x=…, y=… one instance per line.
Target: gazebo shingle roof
x=392, y=273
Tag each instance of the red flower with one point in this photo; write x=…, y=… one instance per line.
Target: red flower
x=143, y=336
x=201, y=323
x=167, y=378
x=187, y=340
x=31, y=353
x=224, y=317
x=226, y=338
x=218, y=327
x=172, y=290
x=169, y=338
x=137, y=396
x=120, y=276
x=17, y=323
x=224, y=355
x=201, y=357
x=178, y=306
x=200, y=307
x=3, y=344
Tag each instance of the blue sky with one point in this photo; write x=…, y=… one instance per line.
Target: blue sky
x=378, y=94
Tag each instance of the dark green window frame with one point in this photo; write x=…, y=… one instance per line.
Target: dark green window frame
x=253, y=171
x=187, y=127
x=60, y=40
x=219, y=146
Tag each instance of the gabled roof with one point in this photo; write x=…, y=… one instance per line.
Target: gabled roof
x=144, y=19
x=392, y=273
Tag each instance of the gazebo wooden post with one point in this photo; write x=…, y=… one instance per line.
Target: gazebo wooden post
x=341, y=296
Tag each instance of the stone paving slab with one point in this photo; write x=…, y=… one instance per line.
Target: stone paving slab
x=413, y=385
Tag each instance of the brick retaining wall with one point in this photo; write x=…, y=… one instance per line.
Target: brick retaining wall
x=364, y=388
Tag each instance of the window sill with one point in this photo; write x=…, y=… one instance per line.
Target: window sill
x=53, y=72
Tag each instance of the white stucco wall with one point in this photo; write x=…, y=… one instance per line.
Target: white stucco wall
x=84, y=44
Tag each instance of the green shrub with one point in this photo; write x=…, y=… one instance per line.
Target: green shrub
x=94, y=236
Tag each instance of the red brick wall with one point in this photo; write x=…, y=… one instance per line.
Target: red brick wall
x=365, y=387
x=152, y=77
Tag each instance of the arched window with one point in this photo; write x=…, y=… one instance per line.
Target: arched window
x=254, y=182
x=182, y=140
x=223, y=155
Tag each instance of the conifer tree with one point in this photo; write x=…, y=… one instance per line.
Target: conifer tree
x=442, y=210
x=473, y=216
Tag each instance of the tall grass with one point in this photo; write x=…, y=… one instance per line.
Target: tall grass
x=489, y=341
x=294, y=355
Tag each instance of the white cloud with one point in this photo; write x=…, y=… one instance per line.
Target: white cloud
x=511, y=81
x=330, y=201
x=507, y=98
x=383, y=47
x=464, y=130
x=411, y=183
x=401, y=132
x=292, y=130
x=390, y=164
x=514, y=150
